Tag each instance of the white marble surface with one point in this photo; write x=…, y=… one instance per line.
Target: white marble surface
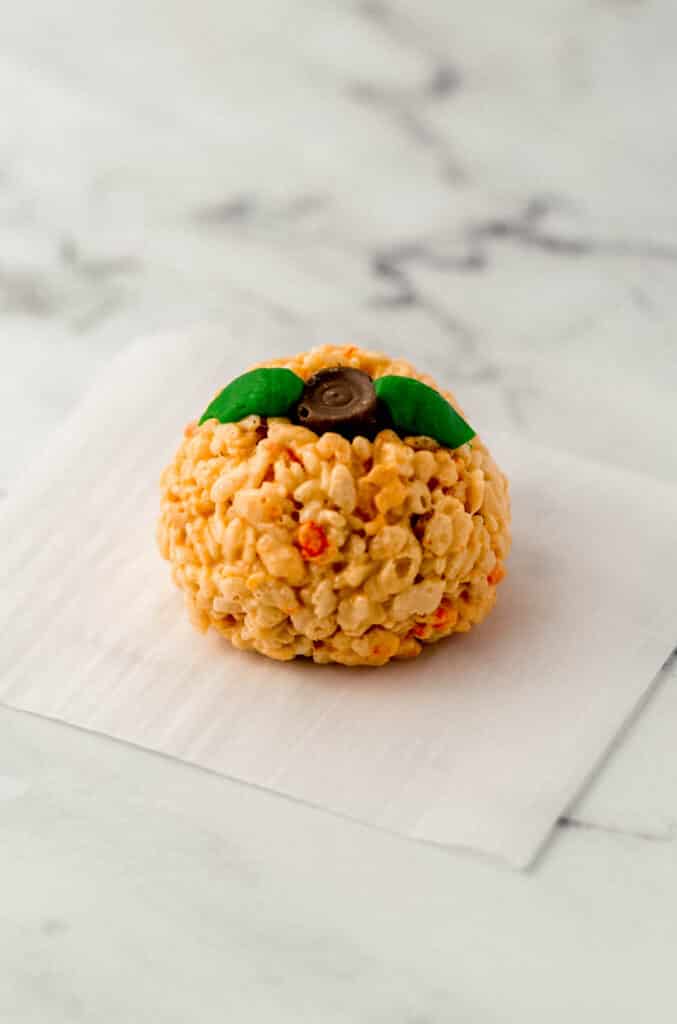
x=489, y=185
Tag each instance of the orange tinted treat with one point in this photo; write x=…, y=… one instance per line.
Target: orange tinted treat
x=299, y=544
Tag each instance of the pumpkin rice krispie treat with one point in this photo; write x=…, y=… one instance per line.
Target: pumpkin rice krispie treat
x=335, y=505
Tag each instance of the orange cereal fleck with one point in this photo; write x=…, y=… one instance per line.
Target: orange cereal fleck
x=496, y=575
x=190, y=428
x=312, y=539
x=444, y=615
x=293, y=456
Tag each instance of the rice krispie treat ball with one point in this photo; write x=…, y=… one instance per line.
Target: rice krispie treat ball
x=325, y=532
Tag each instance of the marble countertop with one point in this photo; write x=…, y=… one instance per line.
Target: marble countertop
x=489, y=186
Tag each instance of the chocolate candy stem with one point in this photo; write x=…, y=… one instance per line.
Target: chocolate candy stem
x=340, y=399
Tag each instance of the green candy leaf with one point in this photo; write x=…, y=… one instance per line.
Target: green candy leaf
x=268, y=391
x=417, y=409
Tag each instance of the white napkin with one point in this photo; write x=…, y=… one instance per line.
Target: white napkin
x=482, y=742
